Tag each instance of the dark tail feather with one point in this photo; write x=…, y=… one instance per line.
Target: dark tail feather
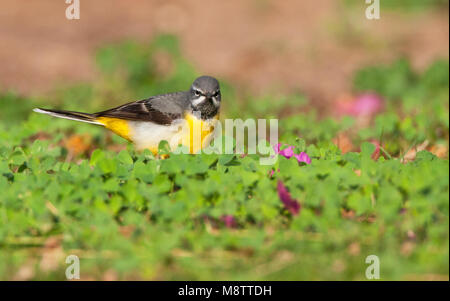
x=78, y=116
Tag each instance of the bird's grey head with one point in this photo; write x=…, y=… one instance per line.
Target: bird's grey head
x=205, y=95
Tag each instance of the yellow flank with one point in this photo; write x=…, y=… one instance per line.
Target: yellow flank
x=194, y=140
x=118, y=126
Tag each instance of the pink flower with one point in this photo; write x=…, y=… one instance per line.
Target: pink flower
x=289, y=203
x=367, y=104
x=229, y=221
x=303, y=157
x=287, y=152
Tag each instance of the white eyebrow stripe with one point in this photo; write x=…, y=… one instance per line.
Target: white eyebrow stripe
x=215, y=102
x=198, y=100
x=197, y=88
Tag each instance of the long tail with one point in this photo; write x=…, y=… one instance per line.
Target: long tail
x=78, y=116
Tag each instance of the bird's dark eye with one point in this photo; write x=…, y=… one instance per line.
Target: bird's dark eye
x=197, y=93
x=216, y=94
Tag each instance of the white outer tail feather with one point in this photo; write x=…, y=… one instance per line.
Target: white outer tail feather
x=59, y=115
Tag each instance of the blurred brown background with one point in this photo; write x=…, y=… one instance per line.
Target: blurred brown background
x=311, y=46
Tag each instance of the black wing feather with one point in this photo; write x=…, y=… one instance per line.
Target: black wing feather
x=140, y=111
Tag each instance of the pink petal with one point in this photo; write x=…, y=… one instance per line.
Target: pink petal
x=289, y=203
x=287, y=152
x=367, y=104
x=229, y=221
x=303, y=157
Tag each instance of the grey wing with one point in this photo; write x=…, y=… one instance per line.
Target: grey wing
x=160, y=109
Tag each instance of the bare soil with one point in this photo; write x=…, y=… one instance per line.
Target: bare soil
x=309, y=46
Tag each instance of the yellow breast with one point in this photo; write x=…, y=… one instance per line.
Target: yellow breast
x=199, y=134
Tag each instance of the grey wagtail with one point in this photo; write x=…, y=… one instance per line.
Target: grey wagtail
x=147, y=122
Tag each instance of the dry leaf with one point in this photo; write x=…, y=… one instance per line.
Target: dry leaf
x=411, y=154
x=348, y=214
x=78, y=144
x=343, y=142
x=439, y=150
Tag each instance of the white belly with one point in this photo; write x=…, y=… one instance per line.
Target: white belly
x=148, y=134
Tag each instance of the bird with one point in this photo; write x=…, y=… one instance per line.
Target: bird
x=181, y=118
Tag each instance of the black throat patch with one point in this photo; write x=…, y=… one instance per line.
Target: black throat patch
x=207, y=109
